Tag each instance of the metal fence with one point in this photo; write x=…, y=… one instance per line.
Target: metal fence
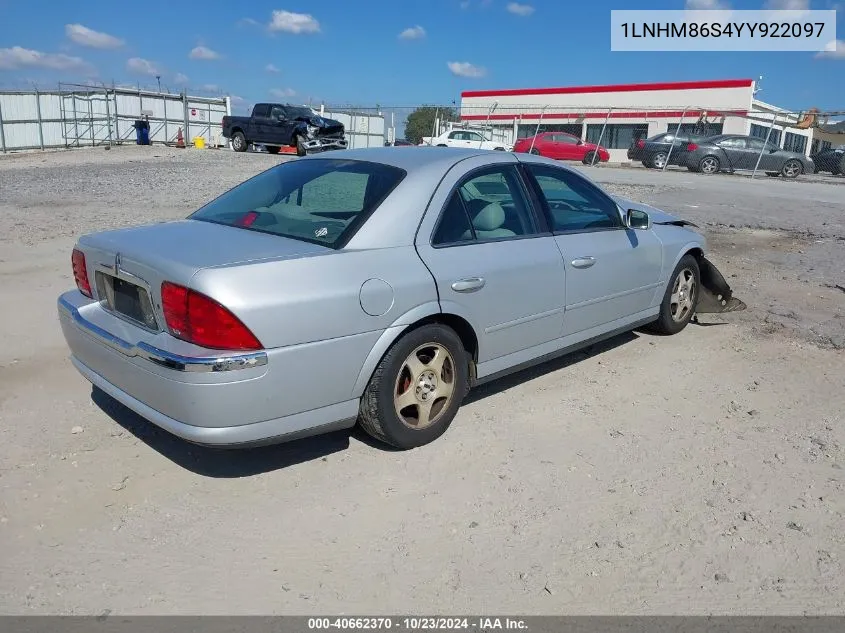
x=78, y=116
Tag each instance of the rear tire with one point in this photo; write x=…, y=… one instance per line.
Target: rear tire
x=658, y=161
x=709, y=165
x=239, y=143
x=680, y=298
x=417, y=388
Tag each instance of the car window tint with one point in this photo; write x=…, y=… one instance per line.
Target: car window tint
x=455, y=135
x=496, y=205
x=261, y=110
x=574, y=203
x=320, y=200
x=472, y=136
x=453, y=225
x=565, y=138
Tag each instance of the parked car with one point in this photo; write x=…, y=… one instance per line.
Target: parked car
x=654, y=152
x=831, y=160
x=399, y=142
x=731, y=152
x=469, y=139
x=562, y=146
x=276, y=125
x=377, y=286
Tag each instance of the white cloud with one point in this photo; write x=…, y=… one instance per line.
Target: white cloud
x=787, y=5
x=412, y=33
x=210, y=87
x=270, y=68
x=520, y=9
x=282, y=93
x=296, y=23
x=180, y=78
x=837, y=53
x=17, y=57
x=203, y=52
x=236, y=99
x=695, y=5
x=84, y=36
x=142, y=66
x=249, y=22
x=465, y=69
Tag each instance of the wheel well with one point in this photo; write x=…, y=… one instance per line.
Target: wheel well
x=695, y=252
x=461, y=326
x=237, y=129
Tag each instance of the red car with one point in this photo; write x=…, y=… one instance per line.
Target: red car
x=562, y=146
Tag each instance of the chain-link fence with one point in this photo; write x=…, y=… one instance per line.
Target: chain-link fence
x=764, y=140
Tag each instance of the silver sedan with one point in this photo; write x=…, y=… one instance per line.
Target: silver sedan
x=374, y=287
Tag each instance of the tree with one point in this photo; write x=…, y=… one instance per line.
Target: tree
x=421, y=121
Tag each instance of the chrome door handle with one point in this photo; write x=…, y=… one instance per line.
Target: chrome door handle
x=583, y=262
x=470, y=284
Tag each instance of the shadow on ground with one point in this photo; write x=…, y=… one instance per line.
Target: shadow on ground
x=246, y=462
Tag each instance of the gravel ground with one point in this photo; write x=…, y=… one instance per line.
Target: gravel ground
x=700, y=473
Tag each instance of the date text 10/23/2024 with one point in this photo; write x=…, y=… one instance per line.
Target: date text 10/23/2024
x=419, y=623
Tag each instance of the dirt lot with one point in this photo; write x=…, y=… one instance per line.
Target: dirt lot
x=701, y=473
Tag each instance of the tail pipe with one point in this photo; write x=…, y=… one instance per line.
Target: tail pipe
x=716, y=295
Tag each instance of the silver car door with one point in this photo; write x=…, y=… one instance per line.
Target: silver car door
x=493, y=261
x=612, y=273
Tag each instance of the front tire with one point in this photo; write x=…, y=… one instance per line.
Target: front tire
x=680, y=299
x=300, y=146
x=239, y=143
x=416, y=389
x=791, y=168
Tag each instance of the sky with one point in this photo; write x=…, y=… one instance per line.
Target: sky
x=386, y=52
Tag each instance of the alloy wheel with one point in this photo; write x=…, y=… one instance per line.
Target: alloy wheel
x=682, y=299
x=425, y=386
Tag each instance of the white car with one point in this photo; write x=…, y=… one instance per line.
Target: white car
x=467, y=139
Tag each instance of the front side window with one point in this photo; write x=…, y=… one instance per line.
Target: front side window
x=488, y=205
x=574, y=204
x=323, y=201
x=473, y=136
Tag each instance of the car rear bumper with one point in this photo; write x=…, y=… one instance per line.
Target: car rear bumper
x=225, y=400
x=324, y=144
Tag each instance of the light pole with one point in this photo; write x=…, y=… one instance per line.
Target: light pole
x=158, y=79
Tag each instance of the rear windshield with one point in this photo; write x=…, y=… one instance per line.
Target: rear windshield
x=322, y=201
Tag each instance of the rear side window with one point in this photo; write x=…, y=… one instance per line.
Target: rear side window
x=323, y=201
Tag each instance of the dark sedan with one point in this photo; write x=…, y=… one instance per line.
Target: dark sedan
x=655, y=151
x=831, y=160
x=731, y=152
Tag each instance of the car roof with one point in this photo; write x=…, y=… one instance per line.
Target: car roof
x=410, y=158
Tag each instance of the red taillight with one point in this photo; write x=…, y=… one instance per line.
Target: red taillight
x=80, y=272
x=641, y=143
x=198, y=319
x=691, y=147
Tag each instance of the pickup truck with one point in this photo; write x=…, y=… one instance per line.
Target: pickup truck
x=275, y=125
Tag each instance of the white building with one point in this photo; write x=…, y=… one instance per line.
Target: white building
x=620, y=114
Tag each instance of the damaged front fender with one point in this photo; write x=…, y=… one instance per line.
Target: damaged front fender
x=716, y=295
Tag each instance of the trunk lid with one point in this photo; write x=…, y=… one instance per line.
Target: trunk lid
x=126, y=267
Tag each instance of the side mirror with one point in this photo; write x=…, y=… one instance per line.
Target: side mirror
x=636, y=219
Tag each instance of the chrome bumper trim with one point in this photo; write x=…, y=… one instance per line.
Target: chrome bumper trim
x=159, y=356
x=322, y=144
